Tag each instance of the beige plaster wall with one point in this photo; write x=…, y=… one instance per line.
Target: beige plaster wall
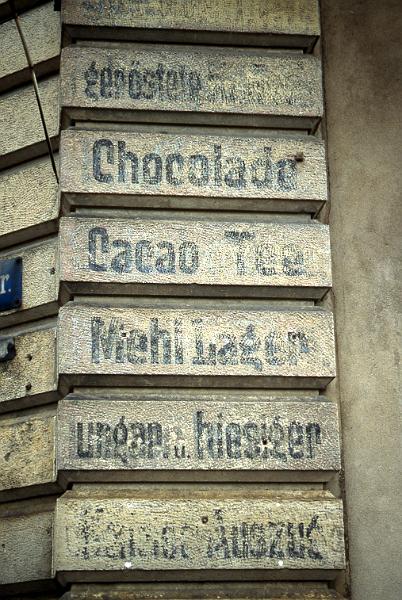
x=362, y=59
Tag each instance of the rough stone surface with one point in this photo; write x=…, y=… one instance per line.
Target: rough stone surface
x=39, y=282
x=188, y=256
x=35, y=182
x=283, y=346
x=196, y=531
x=7, y=11
x=364, y=131
x=21, y=132
x=202, y=591
x=195, y=434
x=26, y=529
x=27, y=454
x=30, y=378
x=105, y=167
x=41, y=30
x=193, y=81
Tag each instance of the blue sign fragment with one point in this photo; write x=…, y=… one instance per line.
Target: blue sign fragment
x=10, y=283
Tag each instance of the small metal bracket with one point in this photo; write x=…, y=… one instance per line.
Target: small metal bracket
x=7, y=349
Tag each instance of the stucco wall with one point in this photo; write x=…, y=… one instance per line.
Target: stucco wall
x=362, y=58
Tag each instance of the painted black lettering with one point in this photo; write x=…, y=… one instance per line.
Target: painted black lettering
x=98, y=146
x=172, y=83
x=203, y=428
x=120, y=436
x=134, y=82
x=293, y=261
x=235, y=177
x=82, y=451
x=137, y=447
x=97, y=235
x=198, y=173
x=119, y=83
x=123, y=261
x=106, y=82
x=91, y=78
x=103, y=440
x=252, y=449
x=263, y=165
x=218, y=546
x=296, y=548
x=178, y=342
x=276, y=436
x=218, y=164
x=233, y=440
x=313, y=434
x=188, y=257
x=154, y=431
x=124, y=157
x=152, y=168
x=174, y=162
x=109, y=343
x=143, y=252
x=249, y=345
x=287, y=174
x=265, y=260
x=137, y=345
x=239, y=237
x=227, y=354
x=276, y=531
x=202, y=359
x=149, y=84
x=194, y=85
x=166, y=262
x=312, y=532
x=160, y=335
x=296, y=440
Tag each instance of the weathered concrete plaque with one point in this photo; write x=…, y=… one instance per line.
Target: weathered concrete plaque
x=237, y=532
x=30, y=377
x=22, y=136
x=26, y=529
x=200, y=590
x=41, y=30
x=27, y=455
x=188, y=257
x=39, y=282
x=197, y=439
x=191, y=84
x=282, y=348
x=281, y=23
x=108, y=168
x=37, y=215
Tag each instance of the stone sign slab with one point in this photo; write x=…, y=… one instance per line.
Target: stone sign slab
x=196, y=439
x=150, y=532
x=200, y=590
x=39, y=282
x=36, y=183
x=27, y=455
x=109, y=168
x=194, y=257
x=30, y=377
x=284, y=23
x=41, y=30
x=22, y=136
x=191, y=84
x=26, y=530
x=109, y=345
